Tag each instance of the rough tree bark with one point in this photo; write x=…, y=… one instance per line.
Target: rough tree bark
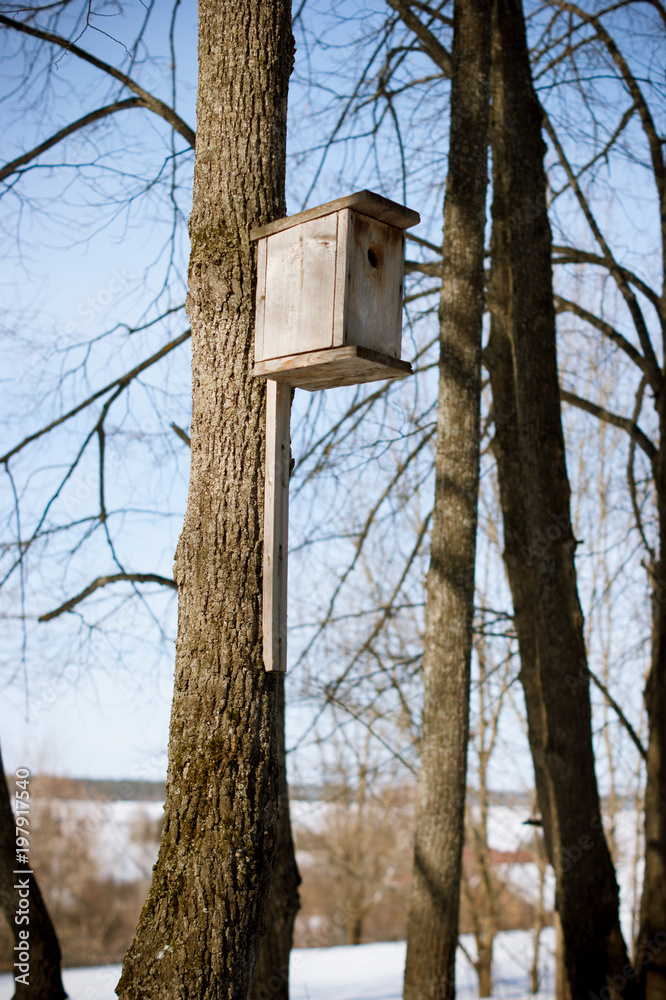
x=44, y=981
x=432, y=933
x=651, y=939
x=538, y=538
x=271, y=981
x=201, y=929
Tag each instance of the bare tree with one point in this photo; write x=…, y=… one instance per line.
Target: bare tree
x=386, y=659
x=427, y=23
x=272, y=975
x=432, y=932
x=485, y=899
x=357, y=842
x=203, y=923
x=642, y=307
x=534, y=490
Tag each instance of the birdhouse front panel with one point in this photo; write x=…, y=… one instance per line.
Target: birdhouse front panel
x=329, y=294
x=299, y=290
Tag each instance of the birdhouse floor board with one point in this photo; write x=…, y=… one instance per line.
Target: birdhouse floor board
x=333, y=367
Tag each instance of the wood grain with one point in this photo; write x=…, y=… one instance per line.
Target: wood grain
x=373, y=294
x=260, y=301
x=276, y=526
x=365, y=202
x=336, y=366
x=300, y=290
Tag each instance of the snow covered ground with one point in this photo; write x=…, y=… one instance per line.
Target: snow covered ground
x=365, y=972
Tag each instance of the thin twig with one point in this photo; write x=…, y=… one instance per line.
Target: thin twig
x=123, y=382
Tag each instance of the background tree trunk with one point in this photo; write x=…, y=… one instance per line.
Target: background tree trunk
x=202, y=926
x=539, y=542
x=44, y=977
x=272, y=976
x=432, y=933
x=651, y=938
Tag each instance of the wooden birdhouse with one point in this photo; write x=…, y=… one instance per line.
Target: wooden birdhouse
x=328, y=313
x=329, y=293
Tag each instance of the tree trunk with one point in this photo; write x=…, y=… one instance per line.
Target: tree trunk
x=201, y=929
x=484, y=969
x=562, y=990
x=41, y=980
x=432, y=931
x=651, y=940
x=539, y=911
x=271, y=981
x=354, y=930
x=539, y=543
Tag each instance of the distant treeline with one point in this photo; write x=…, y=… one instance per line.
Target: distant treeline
x=101, y=788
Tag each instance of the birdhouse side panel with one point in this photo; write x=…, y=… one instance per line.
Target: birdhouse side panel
x=300, y=289
x=341, y=278
x=260, y=303
x=373, y=300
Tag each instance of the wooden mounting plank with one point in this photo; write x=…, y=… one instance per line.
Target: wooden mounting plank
x=276, y=526
x=333, y=367
x=364, y=202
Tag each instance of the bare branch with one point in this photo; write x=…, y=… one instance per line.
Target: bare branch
x=123, y=382
x=647, y=121
x=634, y=431
x=360, y=541
x=152, y=103
x=631, y=479
x=422, y=294
x=432, y=268
x=183, y=435
x=103, y=581
x=461, y=944
x=345, y=706
x=570, y=255
x=94, y=116
x=564, y=305
x=620, y=714
x=423, y=243
x=605, y=149
x=436, y=14
x=653, y=369
x=431, y=44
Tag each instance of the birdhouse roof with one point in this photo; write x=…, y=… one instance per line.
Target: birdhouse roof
x=363, y=202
